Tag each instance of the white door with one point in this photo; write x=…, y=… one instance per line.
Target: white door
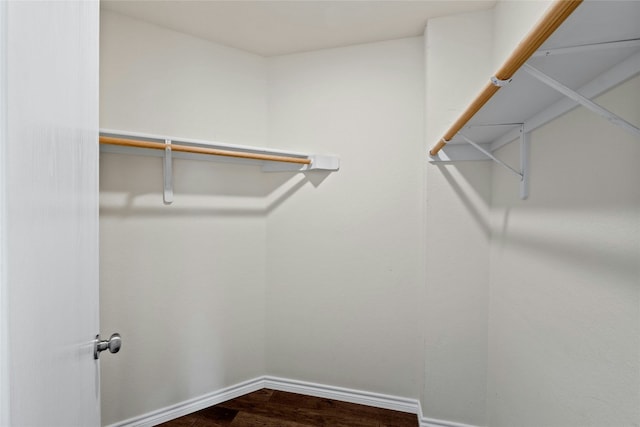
x=49, y=215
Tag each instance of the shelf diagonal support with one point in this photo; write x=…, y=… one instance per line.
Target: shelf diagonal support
x=621, y=44
x=167, y=174
x=490, y=155
x=585, y=102
x=523, y=174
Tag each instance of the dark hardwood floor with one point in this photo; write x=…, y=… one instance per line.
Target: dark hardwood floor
x=270, y=408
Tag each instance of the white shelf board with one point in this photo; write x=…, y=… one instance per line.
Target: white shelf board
x=318, y=162
x=526, y=100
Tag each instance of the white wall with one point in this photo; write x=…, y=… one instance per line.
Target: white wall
x=345, y=254
x=344, y=251
x=565, y=269
x=512, y=20
x=183, y=284
x=564, y=341
x=458, y=63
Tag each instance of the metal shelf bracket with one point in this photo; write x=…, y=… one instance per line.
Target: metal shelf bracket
x=523, y=173
x=167, y=172
x=582, y=100
x=525, y=153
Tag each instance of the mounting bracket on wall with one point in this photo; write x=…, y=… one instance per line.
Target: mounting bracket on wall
x=456, y=152
x=167, y=171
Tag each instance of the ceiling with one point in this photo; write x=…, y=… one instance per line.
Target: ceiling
x=271, y=28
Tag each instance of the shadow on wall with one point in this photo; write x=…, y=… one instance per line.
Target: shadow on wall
x=593, y=253
x=584, y=204
x=476, y=179
x=132, y=186
x=579, y=218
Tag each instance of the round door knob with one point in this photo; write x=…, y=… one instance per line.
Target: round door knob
x=113, y=344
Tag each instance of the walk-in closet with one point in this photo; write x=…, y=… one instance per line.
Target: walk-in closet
x=428, y=207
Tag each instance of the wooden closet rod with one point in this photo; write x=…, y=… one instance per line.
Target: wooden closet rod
x=201, y=150
x=551, y=20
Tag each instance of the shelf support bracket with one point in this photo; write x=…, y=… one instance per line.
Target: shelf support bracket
x=585, y=102
x=490, y=155
x=167, y=172
x=525, y=151
x=523, y=176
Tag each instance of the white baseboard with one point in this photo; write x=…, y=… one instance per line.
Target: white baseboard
x=192, y=405
x=377, y=400
x=432, y=422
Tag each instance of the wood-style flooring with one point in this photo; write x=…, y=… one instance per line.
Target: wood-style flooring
x=270, y=408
